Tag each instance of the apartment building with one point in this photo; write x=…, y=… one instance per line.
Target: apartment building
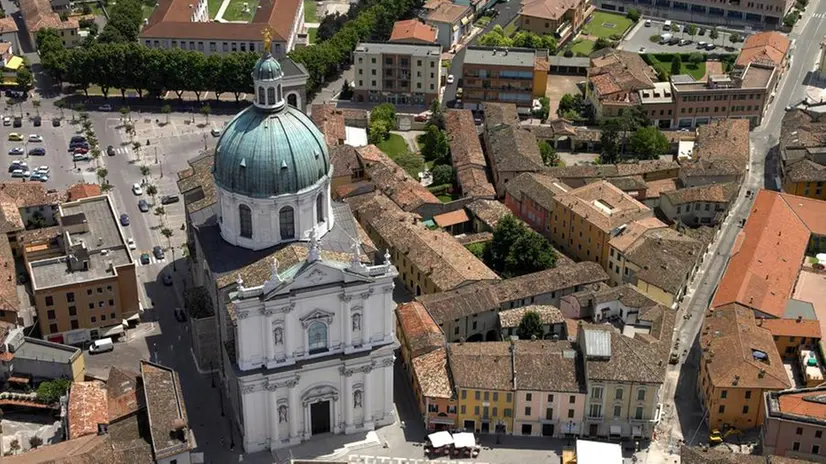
x=802, y=155
x=185, y=24
x=560, y=18
x=82, y=274
x=504, y=75
x=585, y=219
x=38, y=14
x=452, y=21
x=795, y=421
x=398, y=73
x=702, y=205
x=483, y=376
x=413, y=31
x=511, y=150
x=615, y=79
x=740, y=365
x=760, y=14
x=530, y=197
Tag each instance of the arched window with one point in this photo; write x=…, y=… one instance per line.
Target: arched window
x=319, y=208
x=271, y=96
x=286, y=220
x=261, y=100
x=292, y=100
x=245, y=216
x=317, y=337
x=280, y=96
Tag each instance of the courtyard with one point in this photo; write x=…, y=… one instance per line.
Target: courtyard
x=603, y=25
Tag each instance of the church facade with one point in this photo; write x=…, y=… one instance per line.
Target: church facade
x=303, y=347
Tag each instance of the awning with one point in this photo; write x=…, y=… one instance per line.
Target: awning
x=636, y=430
x=14, y=63
x=616, y=430
x=442, y=420
x=455, y=27
x=465, y=20
x=440, y=439
x=9, y=81
x=464, y=440
x=111, y=331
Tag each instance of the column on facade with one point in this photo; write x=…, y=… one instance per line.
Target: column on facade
x=346, y=326
x=388, y=317
x=272, y=395
x=348, y=401
x=388, y=387
x=295, y=410
x=367, y=394
x=307, y=422
x=267, y=339
x=366, y=321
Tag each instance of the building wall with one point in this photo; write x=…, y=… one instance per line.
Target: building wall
x=610, y=408
x=782, y=436
x=205, y=341
x=423, y=76
x=474, y=404
x=416, y=281
x=484, y=83
x=209, y=47
x=534, y=214
x=563, y=410
x=697, y=181
x=657, y=294
x=540, y=82
x=732, y=405
x=438, y=415
x=75, y=369
x=694, y=213
x=698, y=107
x=790, y=346
x=577, y=237
x=805, y=189
x=707, y=12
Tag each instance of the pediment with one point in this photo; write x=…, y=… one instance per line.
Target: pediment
x=317, y=314
x=316, y=274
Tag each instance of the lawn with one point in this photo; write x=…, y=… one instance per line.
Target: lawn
x=311, y=34
x=310, y=11
x=662, y=61
x=604, y=24
x=394, y=146
x=235, y=10
x=510, y=29
x=146, y=10
x=583, y=46
x=213, y=6
x=482, y=21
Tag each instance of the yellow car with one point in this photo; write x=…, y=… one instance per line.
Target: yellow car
x=15, y=137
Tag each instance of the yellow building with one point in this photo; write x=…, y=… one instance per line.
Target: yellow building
x=429, y=261
x=802, y=164
x=740, y=363
x=584, y=219
x=483, y=380
x=793, y=335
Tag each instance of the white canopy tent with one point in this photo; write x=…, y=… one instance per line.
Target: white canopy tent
x=440, y=439
x=464, y=440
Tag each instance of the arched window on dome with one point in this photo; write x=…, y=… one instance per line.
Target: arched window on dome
x=292, y=99
x=286, y=220
x=271, y=96
x=245, y=219
x=319, y=208
x=280, y=95
x=261, y=100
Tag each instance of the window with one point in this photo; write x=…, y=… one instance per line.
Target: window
x=550, y=398
x=111, y=302
x=464, y=409
x=50, y=314
x=640, y=395
x=799, y=431
x=745, y=409
x=815, y=449
x=88, y=291
x=464, y=394
x=261, y=100
x=495, y=411
x=617, y=410
x=70, y=297
x=570, y=414
x=49, y=300
x=572, y=399
x=495, y=396
x=73, y=323
x=317, y=337
x=73, y=310
x=487, y=396
x=723, y=394
x=528, y=397
x=112, y=315
x=319, y=208
x=549, y=413
x=94, y=319
x=721, y=410
x=596, y=410
x=527, y=410
x=596, y=393
x=245, y=218
x=638, y=413
x=508, y=398
x=52, y=328
x=91, y=306
x=818, y=433
x=103, y=317
x=618, y=394
x=476, y=410
x=287, y=223
x=271, y=96
x=477, y=395
x=507, y=412
x=796, y=446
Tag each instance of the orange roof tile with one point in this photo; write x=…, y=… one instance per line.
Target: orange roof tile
x=419, y=329
x=792, y=327
x=330, y=122
x=394, y=181
x=768, y=47
x=413, y=30
x=812, y=212
x=87, y=408
x=431, y=371
x=548, y=9
x=796, y=403
x=451, y=219
x=78, y=191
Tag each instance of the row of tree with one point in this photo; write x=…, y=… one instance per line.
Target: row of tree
x=124, y=66
x=497, y=38
x=124, y=23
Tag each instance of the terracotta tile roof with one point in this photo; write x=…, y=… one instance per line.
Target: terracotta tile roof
x=657, y=187
x=413, y=30
x=482, y=365
x=500, y=113
x=792, y=327
x=711, y=193
x=419, y=329
x=393, y=181
x=767, y=47
x=474, y=183
x=547, y=314
x=124, y=394
x=723, y=140
x=10, y=218
x=433, y=252
x=549, y=280
x=87, y=408
x=165, y=410
x=639, y=359
x=665, y=257
x=625, y=183
x=633, y=231
x=82, y=190
x=432, y=373
x=513, y=149
x=171, y=19
x=451, y=219
x=618, y=76
x=603, y=205
x=489, y=212
x=465, y=148
x=812, y=212
x=38, y=14
x=464, y=301
x=330, y=122
x=4, y=47
x=805, y=170
x=729, y=339
x=539, y=188
x=449, y=13
x=28, y=194
x=550, y=366
x=344, y=159
x=197, y=181
x=548, y=9
x=9, y=301
x=8, y=24
x=766, y=257
x=799, y=405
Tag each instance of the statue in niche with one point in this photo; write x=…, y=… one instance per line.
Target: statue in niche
x=356, y=321
x=278, y=334
x=282, y=414
x=357, y=399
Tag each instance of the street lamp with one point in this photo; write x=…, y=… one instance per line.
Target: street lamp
x=212, y=373
x=221, y=400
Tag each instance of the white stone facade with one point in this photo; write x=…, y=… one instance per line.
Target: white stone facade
x=314, y=350
x=266, y=215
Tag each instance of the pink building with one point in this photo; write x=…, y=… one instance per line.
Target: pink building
x=550, y=389
x=794, y=424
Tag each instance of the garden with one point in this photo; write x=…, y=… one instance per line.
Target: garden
x=605, y=25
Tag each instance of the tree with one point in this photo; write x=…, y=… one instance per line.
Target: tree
x=160, y=211
x=151, y=190
x=549, y=156
x=168, y=233
x=544, y=108
x=35, y=441
x=14, y=446
x=378, y=131
x=61, y=105
x=530, y=326
x=166, y=109
x=411, y=163
x=205, y=111
x=102, y=173
x=791, y=18
x=434, y=146
x=570, y=103
x=384, y=112
x=601, y=43
x=77, y=108
x=125, y=113
x=516, y=250
x=36, y=105
x=734, y=37
x=713, y=34
x=125, y=19
x=443, y=174
x=696, y=58
x=437, y=116
x=50, y=391
x=692, y=30
x=633, y=14
x=145, y=170
x=496, y=38
x=24, y=79
x=649, y=143
x=610, y=141
x=676, y=64
x=346, y=91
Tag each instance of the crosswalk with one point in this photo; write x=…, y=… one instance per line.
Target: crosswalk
x=819, y=15
x=123, y=151
x=361, y=459
x=139, y=254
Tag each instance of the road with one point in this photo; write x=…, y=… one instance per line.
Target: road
x=684, y=420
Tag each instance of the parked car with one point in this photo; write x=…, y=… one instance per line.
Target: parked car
x=169, y=199
x=647, y=23
x=137, y=189
x=17, y=151
x=110, y=150
x=80, y=150
x=43, y=177
x=35, y=138
x=215, y=132
x=130, y=242
x=7, y=121
x=145, y=258
x=77, y=138
x=143, y=206
x=15, y=137
x=18, y=173
x=42, y=170
x=37, y=121
x=711, y=46
x=167, y=279
x=158, y=252
x=80, y=157
x=17, y=164
x=701, y=44
x=18, y=122
x=673, y=41
x=180, y=315
x=35, y=176
x=101, y=345
x=56, y=122
x=450, y=78
x=39, y=151
x=124, y=219
x=702, y=31
x=105, y=107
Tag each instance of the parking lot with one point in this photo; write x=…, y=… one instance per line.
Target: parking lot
x=638, y=39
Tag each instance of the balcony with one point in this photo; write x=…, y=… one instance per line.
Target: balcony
x=591, y=418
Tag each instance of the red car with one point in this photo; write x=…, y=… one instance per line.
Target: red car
x=81, y=150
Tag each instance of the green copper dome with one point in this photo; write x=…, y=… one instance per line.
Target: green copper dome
x=263, y=154
x=267, y=69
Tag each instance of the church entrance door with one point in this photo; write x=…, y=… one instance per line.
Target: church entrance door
x=320, y=417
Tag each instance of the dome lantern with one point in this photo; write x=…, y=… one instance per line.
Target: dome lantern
x=266, y=77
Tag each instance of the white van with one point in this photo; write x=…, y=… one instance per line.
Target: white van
x=101, y=346
x=667, y=26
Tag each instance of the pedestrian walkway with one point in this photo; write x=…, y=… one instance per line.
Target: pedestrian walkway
x=219, y=16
